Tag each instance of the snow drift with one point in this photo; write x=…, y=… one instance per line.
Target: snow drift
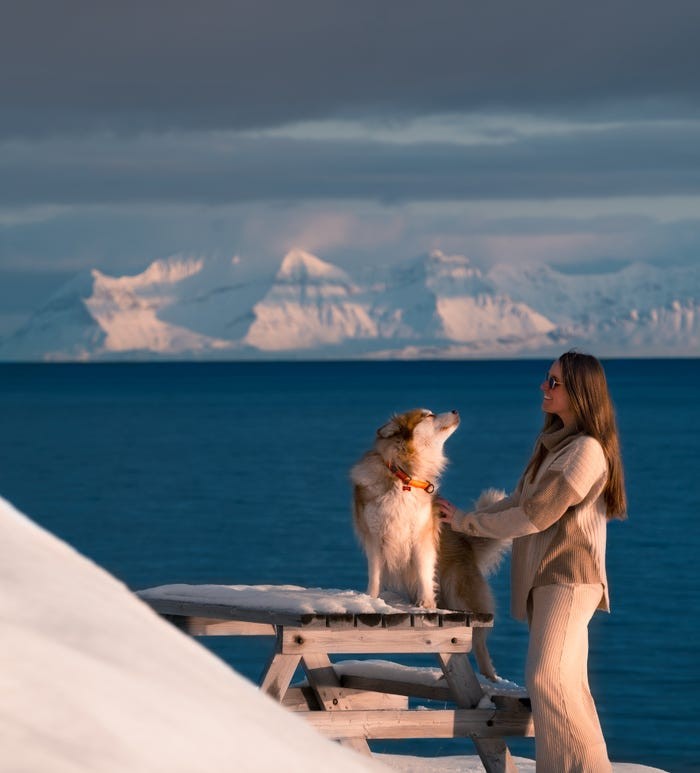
x=94, y=681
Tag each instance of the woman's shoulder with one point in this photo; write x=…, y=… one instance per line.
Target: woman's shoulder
x=583, y=450
x=581, y=462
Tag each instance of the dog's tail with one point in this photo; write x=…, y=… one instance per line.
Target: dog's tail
x=489, y=553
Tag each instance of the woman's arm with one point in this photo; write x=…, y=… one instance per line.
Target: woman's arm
x=504, y=524
x=560, y=487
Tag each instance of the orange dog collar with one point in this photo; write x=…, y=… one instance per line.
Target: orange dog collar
x=408, y=481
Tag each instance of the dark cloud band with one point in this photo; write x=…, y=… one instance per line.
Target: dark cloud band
x=165, y=64
x=646, y=159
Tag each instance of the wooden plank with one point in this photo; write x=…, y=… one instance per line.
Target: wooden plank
x=495, y=755
x=366, y=699
x=481, y=619
x=278, y=674
x=326, y=687
x=413, y=723
x=203, y=626
x=368, y=620
x=309, y=618
x=302, y=698
x=437, y=692
x=340, y=620
x=512, y=702
x=426, y=620
x=324, y=681
x=360, y=745
x=385, y=640
x=455, y=618
x=461, y=678
x=397, y=621
x=467, y=692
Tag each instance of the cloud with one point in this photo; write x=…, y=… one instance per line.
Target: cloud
x=326, y=231
x=633, y=159
x=125, y=239
x=79, y=66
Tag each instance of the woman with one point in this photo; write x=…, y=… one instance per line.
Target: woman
x=557, y=516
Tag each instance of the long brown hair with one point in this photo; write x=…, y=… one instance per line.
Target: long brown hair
x=585, y=383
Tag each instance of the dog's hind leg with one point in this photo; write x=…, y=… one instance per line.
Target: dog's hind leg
x=481, y=652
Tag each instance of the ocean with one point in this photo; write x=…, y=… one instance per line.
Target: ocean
x=237, y=473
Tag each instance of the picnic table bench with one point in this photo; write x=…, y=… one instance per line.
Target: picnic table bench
x=356, y=701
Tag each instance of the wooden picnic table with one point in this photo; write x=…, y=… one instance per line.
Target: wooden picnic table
x=356, y=701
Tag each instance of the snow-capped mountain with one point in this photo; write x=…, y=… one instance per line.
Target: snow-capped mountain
x=444, y=298
x=435, y=306
x=638, y=310
x=310, y=303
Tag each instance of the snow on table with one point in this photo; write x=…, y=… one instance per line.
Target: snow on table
x=291, y=604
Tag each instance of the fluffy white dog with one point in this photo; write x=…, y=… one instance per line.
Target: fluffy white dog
x=407, y=551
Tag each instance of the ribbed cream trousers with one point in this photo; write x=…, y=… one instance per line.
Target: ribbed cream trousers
x=568, y=737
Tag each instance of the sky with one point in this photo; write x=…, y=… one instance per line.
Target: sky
x=364, y=132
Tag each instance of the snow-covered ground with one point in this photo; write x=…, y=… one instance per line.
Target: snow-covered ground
x=472, y=764
x=92, y=681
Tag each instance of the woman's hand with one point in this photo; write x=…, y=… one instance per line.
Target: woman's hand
x=446, y=510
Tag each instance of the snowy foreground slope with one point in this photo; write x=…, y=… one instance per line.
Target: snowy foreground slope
x=436, y=306
x=94, y=682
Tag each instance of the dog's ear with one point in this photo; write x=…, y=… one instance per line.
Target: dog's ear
x=389, y=429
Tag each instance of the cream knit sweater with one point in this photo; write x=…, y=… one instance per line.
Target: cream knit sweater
x=557, y=521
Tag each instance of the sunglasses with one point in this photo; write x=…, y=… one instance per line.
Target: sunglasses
x=551, y=381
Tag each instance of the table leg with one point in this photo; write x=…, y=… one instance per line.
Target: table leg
x=324, y=681
x=278, y=674
x=467, y=691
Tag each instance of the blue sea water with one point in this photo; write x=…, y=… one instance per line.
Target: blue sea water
x=238, y=473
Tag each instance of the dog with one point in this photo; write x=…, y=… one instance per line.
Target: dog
x=407, y=550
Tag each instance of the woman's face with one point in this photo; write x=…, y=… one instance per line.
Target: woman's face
x=556, y=399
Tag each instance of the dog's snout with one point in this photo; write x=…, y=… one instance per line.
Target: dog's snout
x=456, y=413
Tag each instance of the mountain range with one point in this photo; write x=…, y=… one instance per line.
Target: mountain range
x=436, y=306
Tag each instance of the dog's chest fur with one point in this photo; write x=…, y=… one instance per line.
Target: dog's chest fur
x=387, y=516
x=401, y=513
